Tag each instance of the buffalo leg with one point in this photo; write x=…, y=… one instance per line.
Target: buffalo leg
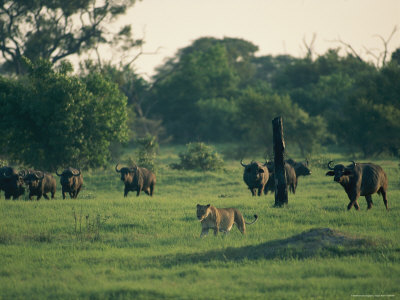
x=46, y=197
x=126, y=192
x=353, y=201
x=52, y=195
x=356, y=205
x=260, y=189
x=253, y=192
x=138, y=192
x=369, y=201
x=77, y=191
x=151, y=189
x=383, y=192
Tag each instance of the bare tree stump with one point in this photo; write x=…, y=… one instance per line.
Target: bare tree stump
x=281, y=192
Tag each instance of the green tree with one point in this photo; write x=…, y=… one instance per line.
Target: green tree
x=56, y=29
x=256, y=112
x=199, y=75
x=368, y=127
x=53, y=119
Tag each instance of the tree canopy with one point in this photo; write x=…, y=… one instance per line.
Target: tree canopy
x=52, y=119
x=56, y=29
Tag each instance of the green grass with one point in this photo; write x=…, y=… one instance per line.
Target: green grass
x=105, y=246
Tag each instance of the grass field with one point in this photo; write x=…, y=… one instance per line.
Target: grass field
x=105, y=246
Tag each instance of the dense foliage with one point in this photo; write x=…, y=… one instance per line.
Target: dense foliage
x=57, y=29
x=218, y=90
x=52, y=119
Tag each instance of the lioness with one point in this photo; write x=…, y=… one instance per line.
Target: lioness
x=220, y=219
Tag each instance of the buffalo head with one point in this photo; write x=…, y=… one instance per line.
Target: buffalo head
x=127, y=174
x=340, y=172
x=67, y=176
x=33, y=178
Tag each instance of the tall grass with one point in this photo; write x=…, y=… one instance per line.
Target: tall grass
x=149, y=247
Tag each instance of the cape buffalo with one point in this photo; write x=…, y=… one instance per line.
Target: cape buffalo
x=137, y=179
x=301, y=169
x=11, y=182
x=291, y=178
x=360, y=179
x=40, y=184
x=255, y=175
x=71, y=182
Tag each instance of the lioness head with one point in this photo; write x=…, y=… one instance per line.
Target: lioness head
x=202, y=211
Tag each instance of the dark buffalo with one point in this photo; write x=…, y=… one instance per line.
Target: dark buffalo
x=137, y=179
x=11, y=182
x=291, y=178
x=360, y=179
x=71, y=182
x=301, y=169
x=40, y=184
x=255, y=175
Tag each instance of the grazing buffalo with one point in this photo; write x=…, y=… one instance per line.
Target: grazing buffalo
x=291, y=178
x=255, y=175
x=11, y=182
x=40, y=184
x=71, y=182
x=137, y=179
x=360, y=179
x=301, y=168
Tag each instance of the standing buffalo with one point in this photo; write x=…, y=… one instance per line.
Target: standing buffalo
x=360, y=179
x=291, y=178
x=255, y=175
x=301, y=168
x=11, y=182
x=40, y=184
x=137, y=179
x=71, y=182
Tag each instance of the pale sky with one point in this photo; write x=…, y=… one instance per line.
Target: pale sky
x=275, y=26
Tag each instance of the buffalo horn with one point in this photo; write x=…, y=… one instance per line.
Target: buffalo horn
x=241, y=162
x=36, y=175
x=79, y=173
x=353, y=164
x=329, y=165
x=116, y=168
x=57, y=173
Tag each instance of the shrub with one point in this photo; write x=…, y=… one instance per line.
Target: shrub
x=199, y=156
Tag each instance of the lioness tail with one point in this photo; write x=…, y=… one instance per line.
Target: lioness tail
x=255, y=220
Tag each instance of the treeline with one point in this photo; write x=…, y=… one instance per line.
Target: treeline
x=215, y=90
x=219, y=90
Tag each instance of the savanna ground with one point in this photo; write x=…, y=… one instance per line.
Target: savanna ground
x=105, y=246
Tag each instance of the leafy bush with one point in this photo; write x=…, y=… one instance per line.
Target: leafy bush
x=199, y=156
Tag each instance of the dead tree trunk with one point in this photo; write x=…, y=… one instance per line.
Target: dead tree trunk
x=281, y=193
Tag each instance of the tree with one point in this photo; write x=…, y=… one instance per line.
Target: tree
x=255, y=112
x=52, y=119
x=199, y=75
x=56, y=29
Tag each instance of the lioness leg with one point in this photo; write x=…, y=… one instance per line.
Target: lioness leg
x=204, y=231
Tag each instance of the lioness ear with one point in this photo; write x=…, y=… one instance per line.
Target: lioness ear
x=208, y=205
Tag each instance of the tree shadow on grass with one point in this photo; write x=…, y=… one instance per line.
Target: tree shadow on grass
x=321, y=242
